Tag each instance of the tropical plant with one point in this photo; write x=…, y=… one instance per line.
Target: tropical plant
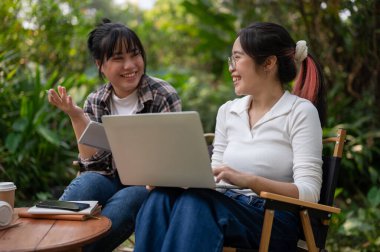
x=38, y=150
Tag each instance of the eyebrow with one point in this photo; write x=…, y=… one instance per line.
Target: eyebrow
x=117, y=53
x=132, y=50
x=238, y=52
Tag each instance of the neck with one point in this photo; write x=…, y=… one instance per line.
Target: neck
x=266, y=99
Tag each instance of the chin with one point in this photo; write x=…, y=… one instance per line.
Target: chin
x=237, y=92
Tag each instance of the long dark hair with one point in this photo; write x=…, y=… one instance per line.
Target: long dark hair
x=107, y=36
x=261, y=40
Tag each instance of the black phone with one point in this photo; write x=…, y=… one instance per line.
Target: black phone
x=65, y=205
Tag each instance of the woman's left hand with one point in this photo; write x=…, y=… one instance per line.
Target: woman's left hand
x=231, y=176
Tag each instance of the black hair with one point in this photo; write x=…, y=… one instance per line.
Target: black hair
x=107, y=36
x=263, y=39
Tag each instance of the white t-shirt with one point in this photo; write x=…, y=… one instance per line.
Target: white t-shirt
x=124, y=106
x=284, y=145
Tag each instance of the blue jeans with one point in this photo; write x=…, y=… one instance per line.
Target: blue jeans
x=119, y=203
x=174, y=219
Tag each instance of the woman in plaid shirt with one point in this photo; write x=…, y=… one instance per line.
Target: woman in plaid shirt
x=120, y=57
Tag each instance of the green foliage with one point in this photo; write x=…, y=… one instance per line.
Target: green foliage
x=358, y=229
x=53, y=35
x=37, y=144
x=362, y=150
x=37, y=149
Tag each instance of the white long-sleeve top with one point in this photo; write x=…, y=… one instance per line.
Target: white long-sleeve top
x=284, y=145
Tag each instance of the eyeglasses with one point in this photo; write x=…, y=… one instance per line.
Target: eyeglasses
x=232, y=62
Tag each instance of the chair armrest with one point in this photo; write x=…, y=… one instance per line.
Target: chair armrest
x=209, y=137
x=297, y=202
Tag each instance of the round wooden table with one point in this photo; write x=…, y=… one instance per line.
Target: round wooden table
x=52, y=235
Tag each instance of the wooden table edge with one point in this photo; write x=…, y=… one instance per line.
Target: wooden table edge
x=79, y=243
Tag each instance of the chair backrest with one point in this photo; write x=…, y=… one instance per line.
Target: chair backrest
x=330, y=168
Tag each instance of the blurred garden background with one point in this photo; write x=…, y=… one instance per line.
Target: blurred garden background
x=43, y=44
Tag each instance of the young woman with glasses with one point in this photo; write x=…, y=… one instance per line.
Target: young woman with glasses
x=267, y=140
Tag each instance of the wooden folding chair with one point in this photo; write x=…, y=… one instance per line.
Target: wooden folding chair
x=314, y=217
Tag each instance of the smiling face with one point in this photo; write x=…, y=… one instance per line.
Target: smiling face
x=123, y=69
x=247, y=76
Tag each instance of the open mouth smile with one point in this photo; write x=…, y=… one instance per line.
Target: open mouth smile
x=235, y=79
x=129, y=75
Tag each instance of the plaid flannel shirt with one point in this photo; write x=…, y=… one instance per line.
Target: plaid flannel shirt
x=154, y=96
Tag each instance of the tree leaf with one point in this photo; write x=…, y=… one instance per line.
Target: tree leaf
x=374, y=196
x=48, y=135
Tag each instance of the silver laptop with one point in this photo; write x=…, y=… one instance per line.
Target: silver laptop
x=160, y=149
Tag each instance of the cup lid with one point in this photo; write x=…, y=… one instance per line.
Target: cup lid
x=7, y=186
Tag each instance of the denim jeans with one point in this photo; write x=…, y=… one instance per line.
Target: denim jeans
x=119, y=203
x=174, y=219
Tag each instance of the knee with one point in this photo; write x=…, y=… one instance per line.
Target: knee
x=89, y=179
x=131, y=197
x=85, y=187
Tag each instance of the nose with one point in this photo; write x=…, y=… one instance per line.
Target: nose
x=231, y=65
x=230, y=68
x=127, y=63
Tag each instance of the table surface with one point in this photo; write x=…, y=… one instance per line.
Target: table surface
x=51, y=235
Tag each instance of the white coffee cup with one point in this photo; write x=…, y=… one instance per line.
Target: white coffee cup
x=7, y=193
x=6, y=214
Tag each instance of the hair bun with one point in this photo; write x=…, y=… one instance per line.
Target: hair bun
x=106, y=20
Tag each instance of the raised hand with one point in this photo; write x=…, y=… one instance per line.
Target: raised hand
x=64, y=102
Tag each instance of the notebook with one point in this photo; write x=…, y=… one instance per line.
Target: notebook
x=160, y=149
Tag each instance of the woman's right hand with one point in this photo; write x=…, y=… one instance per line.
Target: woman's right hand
x=232, y=176
x=64, y=102
x=149, y=188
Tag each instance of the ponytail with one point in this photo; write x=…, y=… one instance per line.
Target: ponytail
x=310, y=85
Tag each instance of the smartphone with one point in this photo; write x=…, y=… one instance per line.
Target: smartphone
x=65, y=205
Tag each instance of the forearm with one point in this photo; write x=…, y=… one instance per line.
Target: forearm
x=256, y=183
x=79, y=123
x=261, y=184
